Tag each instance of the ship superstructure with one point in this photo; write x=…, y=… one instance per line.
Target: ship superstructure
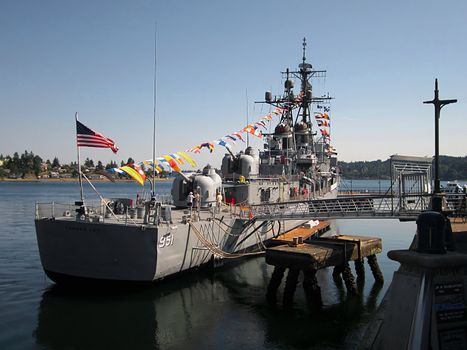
x=297, y=162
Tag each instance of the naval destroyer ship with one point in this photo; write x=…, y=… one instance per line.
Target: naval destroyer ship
x=149, y=239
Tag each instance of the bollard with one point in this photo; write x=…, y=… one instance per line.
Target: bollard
x=140, y=212
x=430, y=233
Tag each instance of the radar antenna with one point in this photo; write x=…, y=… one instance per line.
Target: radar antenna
x=304, y=50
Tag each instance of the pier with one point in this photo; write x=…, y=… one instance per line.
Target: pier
x=317, y=253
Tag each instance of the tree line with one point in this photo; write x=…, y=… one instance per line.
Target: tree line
x=450, y=168
x=28, y=164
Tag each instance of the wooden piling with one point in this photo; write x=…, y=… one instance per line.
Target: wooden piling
x=311, y=287
x=290, y=286
x=377, y=274
x=360, y=269
x=274, y=283
x=349, y=279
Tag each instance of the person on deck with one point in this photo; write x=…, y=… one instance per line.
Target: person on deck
x=189, y=201
x=218, y=202
x=197, y=200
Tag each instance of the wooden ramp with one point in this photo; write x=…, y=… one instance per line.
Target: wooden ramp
x=303, y=232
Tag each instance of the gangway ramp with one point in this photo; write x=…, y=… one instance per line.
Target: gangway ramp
x=362, y=207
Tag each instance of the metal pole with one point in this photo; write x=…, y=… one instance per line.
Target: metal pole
x=438, y=104
x=153, y=187
x=392, y=183
x=437, y=112
x=79, y=164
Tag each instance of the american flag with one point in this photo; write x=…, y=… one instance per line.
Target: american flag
x=86, y=137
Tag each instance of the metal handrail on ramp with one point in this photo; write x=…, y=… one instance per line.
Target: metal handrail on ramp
x=372, y=206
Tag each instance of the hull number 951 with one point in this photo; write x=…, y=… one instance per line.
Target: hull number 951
x=166, y=240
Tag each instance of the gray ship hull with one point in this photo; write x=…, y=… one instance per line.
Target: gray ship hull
x=96, y=251
x=73, y=251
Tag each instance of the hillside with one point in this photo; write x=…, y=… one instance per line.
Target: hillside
x=29, y=165
x=451, y=168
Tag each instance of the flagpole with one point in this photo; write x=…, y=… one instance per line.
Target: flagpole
x=79, y=164
x=153, y=185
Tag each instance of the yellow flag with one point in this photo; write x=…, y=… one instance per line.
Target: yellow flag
x=133, y=173
x=187, y=158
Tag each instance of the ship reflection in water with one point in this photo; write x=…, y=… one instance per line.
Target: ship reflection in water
x=227, y=310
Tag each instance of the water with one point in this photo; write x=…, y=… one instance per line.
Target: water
x=225, y=309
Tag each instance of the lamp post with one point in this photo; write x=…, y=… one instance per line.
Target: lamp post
x=438, y=104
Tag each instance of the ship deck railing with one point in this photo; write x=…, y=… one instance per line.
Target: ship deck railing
x=96, y=212
x=53, y=210
x=263, y=177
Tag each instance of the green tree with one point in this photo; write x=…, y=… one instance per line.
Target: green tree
x=99, y=166
x=25, y=164
x=37, y=163
x=110, y=165
x=89, y=163
x=14, y=163
x=55, y=163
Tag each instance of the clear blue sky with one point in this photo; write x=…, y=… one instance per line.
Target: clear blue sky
x=97, y=58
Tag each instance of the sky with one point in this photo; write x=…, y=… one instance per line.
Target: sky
x=214, y=60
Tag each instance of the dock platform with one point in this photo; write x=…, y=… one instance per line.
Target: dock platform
x=323, y=252
x=319, y=253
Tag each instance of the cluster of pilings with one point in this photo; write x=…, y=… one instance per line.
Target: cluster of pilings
x=308, y=258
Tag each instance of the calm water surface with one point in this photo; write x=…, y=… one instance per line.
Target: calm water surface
x=221, y=310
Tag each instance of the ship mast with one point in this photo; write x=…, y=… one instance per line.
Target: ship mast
x=304, y=83
x=293, y=137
